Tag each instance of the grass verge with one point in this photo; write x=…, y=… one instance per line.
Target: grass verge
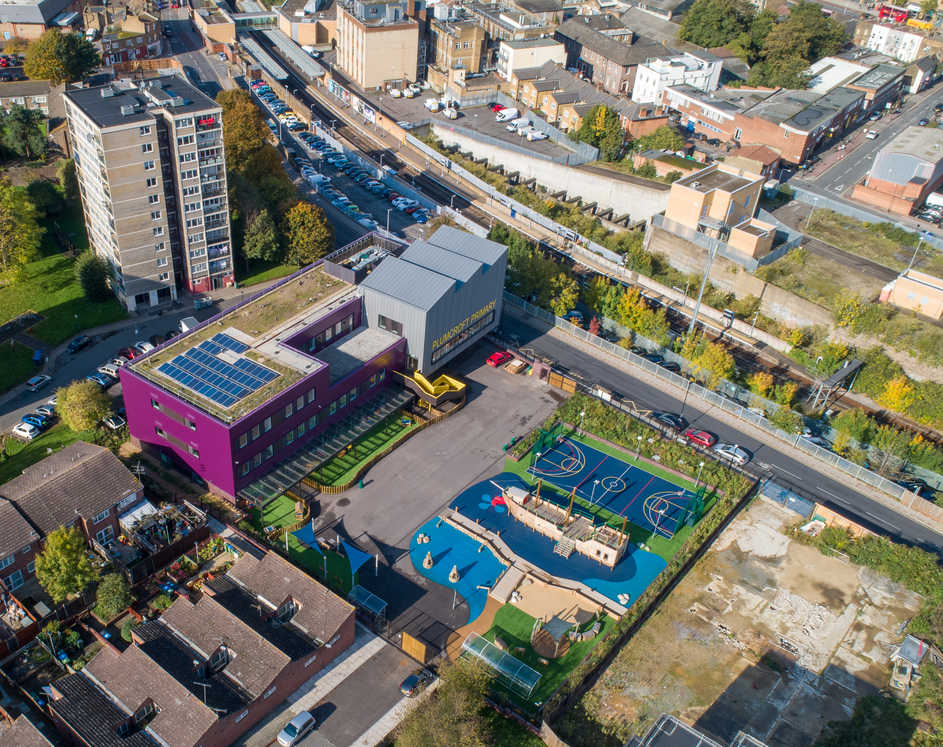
x=17, y=366
x=262, y=271
x=22, y=455
x=508, y=733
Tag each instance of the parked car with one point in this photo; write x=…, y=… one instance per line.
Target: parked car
x=732, y=452
x=144, y=347
x=699, y=437
x=119, y=361
x=368, y=223
x=675, y=422
x=109, y=369
x=871, y=135
x=670, y=366
x=416, y=683
x=53, y=400
x=296, y=730
x=103, y=380
x=499, y=358
x=395, y=93
x=169, y=334
x=923, y=122
x=534, y=135
x=48, y=410
x=421, y=216
x=114, y=422
x=654, y=358
x=37, y=420
x=38, y=382
x=496, y=107
x=156, y=340
x=82, y=341
x=24, y=431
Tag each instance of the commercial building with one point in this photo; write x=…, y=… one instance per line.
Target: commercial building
x=699, y=70
x=378, y=42
x=502, y=24
x=456, y=42
x=251, y=401
x=30, y=18
x=203, y=674
x=152, y=175
x=916, y=291
x=607, y=62
x=514, y=55
x=904, y=171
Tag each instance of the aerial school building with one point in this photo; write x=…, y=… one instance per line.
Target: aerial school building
x=253, y=400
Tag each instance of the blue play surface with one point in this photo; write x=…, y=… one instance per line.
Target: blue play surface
x=647, y=501
x=631, y=576
x=452, y=548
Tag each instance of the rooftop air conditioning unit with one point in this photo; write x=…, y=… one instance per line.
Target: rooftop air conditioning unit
x=127, y=111
x=695, y=185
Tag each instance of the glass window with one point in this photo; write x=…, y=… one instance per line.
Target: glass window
x=289, y=409
x=243, y=440
x=244, y=469
x=333, y=408
x=299, y=403
x=312, y=421
x=267, y=425
x=289, y=438
x=343, y=400
x=257, y=460
x=353, y=394
x=301, y=430
x=256, y=431
x=311, y=395
x=269, y=451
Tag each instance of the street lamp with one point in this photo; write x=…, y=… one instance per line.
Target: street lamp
x=381, y=159
x=533, y=465
x=592, y=497
x=658, y=514
x=452, y=200
x=919, y=244
x=475, y=125
x=638, y=448
x=754, y=322
x=77, y=323
x=582, y=415
x=388, y=219
x=699, y=468
x=815, y=201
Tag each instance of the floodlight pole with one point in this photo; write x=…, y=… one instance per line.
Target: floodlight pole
x=638, y=448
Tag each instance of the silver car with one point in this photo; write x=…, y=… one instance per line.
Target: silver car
x=732, y=452
x=296, y=730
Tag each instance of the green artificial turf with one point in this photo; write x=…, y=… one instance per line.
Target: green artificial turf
x=261, y=271
x=341, y=469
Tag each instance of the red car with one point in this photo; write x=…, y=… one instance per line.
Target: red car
x=700, y=438
x=499, y=359
x=393, y=196
x=496, y=107
x=130, y=353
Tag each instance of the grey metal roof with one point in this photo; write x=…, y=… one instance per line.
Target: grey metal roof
x=879, y=77
x=912, y=650
x=468, y=245
x=452, y=265
x=409, y=283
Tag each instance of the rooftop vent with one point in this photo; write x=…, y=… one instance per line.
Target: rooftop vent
x=127, y=111
x=108, y=92
x=695, y=185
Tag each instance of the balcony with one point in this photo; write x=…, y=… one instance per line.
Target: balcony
x=219, y=265
x=205, y=124
x=221, y=252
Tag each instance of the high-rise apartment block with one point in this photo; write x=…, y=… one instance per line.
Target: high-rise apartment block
x=152, y=175
x=378, y=41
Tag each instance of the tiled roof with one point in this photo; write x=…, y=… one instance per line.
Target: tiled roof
x=25, y=88
x=132, y=677
x=91, y=714
x=758, y=152
x=24, y=733
x=622, y=54
x=15, y=531
x=81, y=479
x=322, y=612
x=208, y=624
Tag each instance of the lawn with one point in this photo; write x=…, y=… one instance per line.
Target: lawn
x=508, y=733
x=17, y=365
x=277, y=513
x=22, y=455
x=50, y=289
x=261, y=271
x=341, y=469
x=514, y=627
x=661, y=546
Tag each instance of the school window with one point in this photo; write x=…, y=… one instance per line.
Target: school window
x=256, y=431
x=151, y=183
x=189, y=423
x=147, y=147
x=243, y=441
x=312, y=421
x=310, y=661
x=241, y=716
x=257, y=460
x=310, y=395
x=300, y=430
x=269, y=451
x=289, y=438
x=382, y=374
x=243, y=470
x=373, y=380
x=155, y=404
x=148, y=165
x=269, y=691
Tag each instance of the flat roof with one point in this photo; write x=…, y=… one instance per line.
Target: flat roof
x=104, y=105
x=716, y=179
x=921, y=278
x=878, y=77
x=832, y=72
x=259, y=328
x=924, y=143
x=354, y=351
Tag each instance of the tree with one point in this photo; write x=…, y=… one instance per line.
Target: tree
x=855, y=422
x=244, y=132
x=602, y=129
x=59, y=57
x=564, y=293
x=898, y=394
x=68, y=181
x=761, y=383
x=878, y=721
x=672, y=176
x=928, y=8
x=113, y=596
x=261, y=241
x=16, y=45
x=82, y=404
x=309, y=234
x=715, y=23
x=23, y=133
x=647, y=170
x=63, y=568
x=45, y=196
x=452, y=715
x=594, y=326
x=889, y=449
x=91, y=270
x=20, y=232
x=786, y=420
x=665, y=137
x=230, y=98
x=266, y=161
x=717, y=361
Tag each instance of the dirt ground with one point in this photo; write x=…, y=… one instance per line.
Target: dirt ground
x=764, y=636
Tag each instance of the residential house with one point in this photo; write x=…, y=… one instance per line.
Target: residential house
x=699, y=70
x=513, y=55
x=28, y=19
x=900, y=41
x=128, y=31
x=921, y=74
x=755, y=159
x=82, y=485
x=610, y=25
x=542, y=11
x=904, y=171
x=25, y=733
x=608, y=63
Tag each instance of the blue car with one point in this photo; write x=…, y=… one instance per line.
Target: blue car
x=101, y=379
x=36, y=420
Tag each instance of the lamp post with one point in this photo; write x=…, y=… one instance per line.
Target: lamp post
x=381, y=159
x=388, y=219
x=475, y=125
x=451, y=200
x=638, y=448
x=582, y=415
x=77, y=323
x=658, y=514
x=333, y=133
x=919, y=244
x=754, y=322
x=815, y=201
x=721, y=228
x=700, y=466
x=592, y=497
x=533, y=464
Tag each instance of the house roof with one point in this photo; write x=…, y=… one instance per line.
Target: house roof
x=24, y=733
x=912, y=650
x=133, y=678
x=758, y=152
x=622, y=54
x=926, y=64
x=81, y=479
x=15, y=531
x=91, y=713
x=25, y=88
x=274, y=579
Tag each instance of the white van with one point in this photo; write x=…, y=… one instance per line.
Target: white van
x=310, y=50
x=432, y=105
x=91, y=34
x=506, y=115
x=450, y=113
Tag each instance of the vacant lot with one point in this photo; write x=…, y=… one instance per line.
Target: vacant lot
x=818, y=279
x=764, y=636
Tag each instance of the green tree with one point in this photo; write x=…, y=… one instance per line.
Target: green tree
x=928, y=8
x=230, y=98
x=82, y=405
x=565, y=291
x=452, y=715
x=786, y=420
x=91, y=270
x=16, y=45
x=602, y=129
x=45, y=196
x=717, y=361
x=749, y=45
x=261, y=240
x=715, y=23
x=266, y=161
x=672, y=176
x=59, y=57
x=20, y=232
x=63, y=567
x=855, y=422
x=647, y=170
x=23, y=132
x=889, y=450
x=244, y=132
x=113, y=596
x=878, y=369
x=309, y=234
x=68, y=181
x=665, y=137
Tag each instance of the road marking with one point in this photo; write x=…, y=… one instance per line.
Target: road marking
x=787, y=471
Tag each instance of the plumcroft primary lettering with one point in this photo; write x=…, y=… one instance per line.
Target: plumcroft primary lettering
x=458, y=328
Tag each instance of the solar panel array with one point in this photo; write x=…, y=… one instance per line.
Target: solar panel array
x=200, y=370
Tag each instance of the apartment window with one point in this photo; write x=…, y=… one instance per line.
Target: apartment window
x=159, y=231
x=153, y=199
x=148, y=165
x=241, y=716
x=164, y=276
x=194, y=451
x=102, y=516
x=267, y=424
x=146, y=711
x=190, y=191
x=147, y=147
x=737, y=134
x=299, y=403
x=458, y=45
x=31, y=567
x=187, y=157
x=310, y=661
x=747, y=203
x=199, y=268
x=187, y=122
x=145, y=130
x=162, y=261
x=269, y=692
x=353, y=394
x=185, y=140
x=151, y=183
x=191, y=174
x=6, y=561
x=155, y=215
x=27, y=549
x=160, y=247
x=194, y=222
x=189, y=208
x=196, y=238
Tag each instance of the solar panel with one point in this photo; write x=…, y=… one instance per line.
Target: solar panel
x=225, y=369
x=227, y=342
x=254, y=369
x=210, y=347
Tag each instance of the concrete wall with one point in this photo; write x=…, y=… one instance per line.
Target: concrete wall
x=776, y=302
x=640, y=202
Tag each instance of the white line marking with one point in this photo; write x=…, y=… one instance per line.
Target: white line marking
x=776, y=466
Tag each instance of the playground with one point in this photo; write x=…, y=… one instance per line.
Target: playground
x=342, y=468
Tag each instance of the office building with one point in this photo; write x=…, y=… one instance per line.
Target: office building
x=699, y=70
x=378, y=42
x=152, y=174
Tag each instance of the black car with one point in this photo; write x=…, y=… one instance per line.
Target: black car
x=917, y=486
x=923, y=122
x=716, y=142
x=171, y=333
x=156, y=340
x=82, y=341
x=673, y=421
x=654, y=358
x=670, y=366
x=415, y=683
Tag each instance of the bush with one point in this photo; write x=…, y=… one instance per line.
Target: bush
x=126, y=629
x=113, y=596
x=161, y=602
